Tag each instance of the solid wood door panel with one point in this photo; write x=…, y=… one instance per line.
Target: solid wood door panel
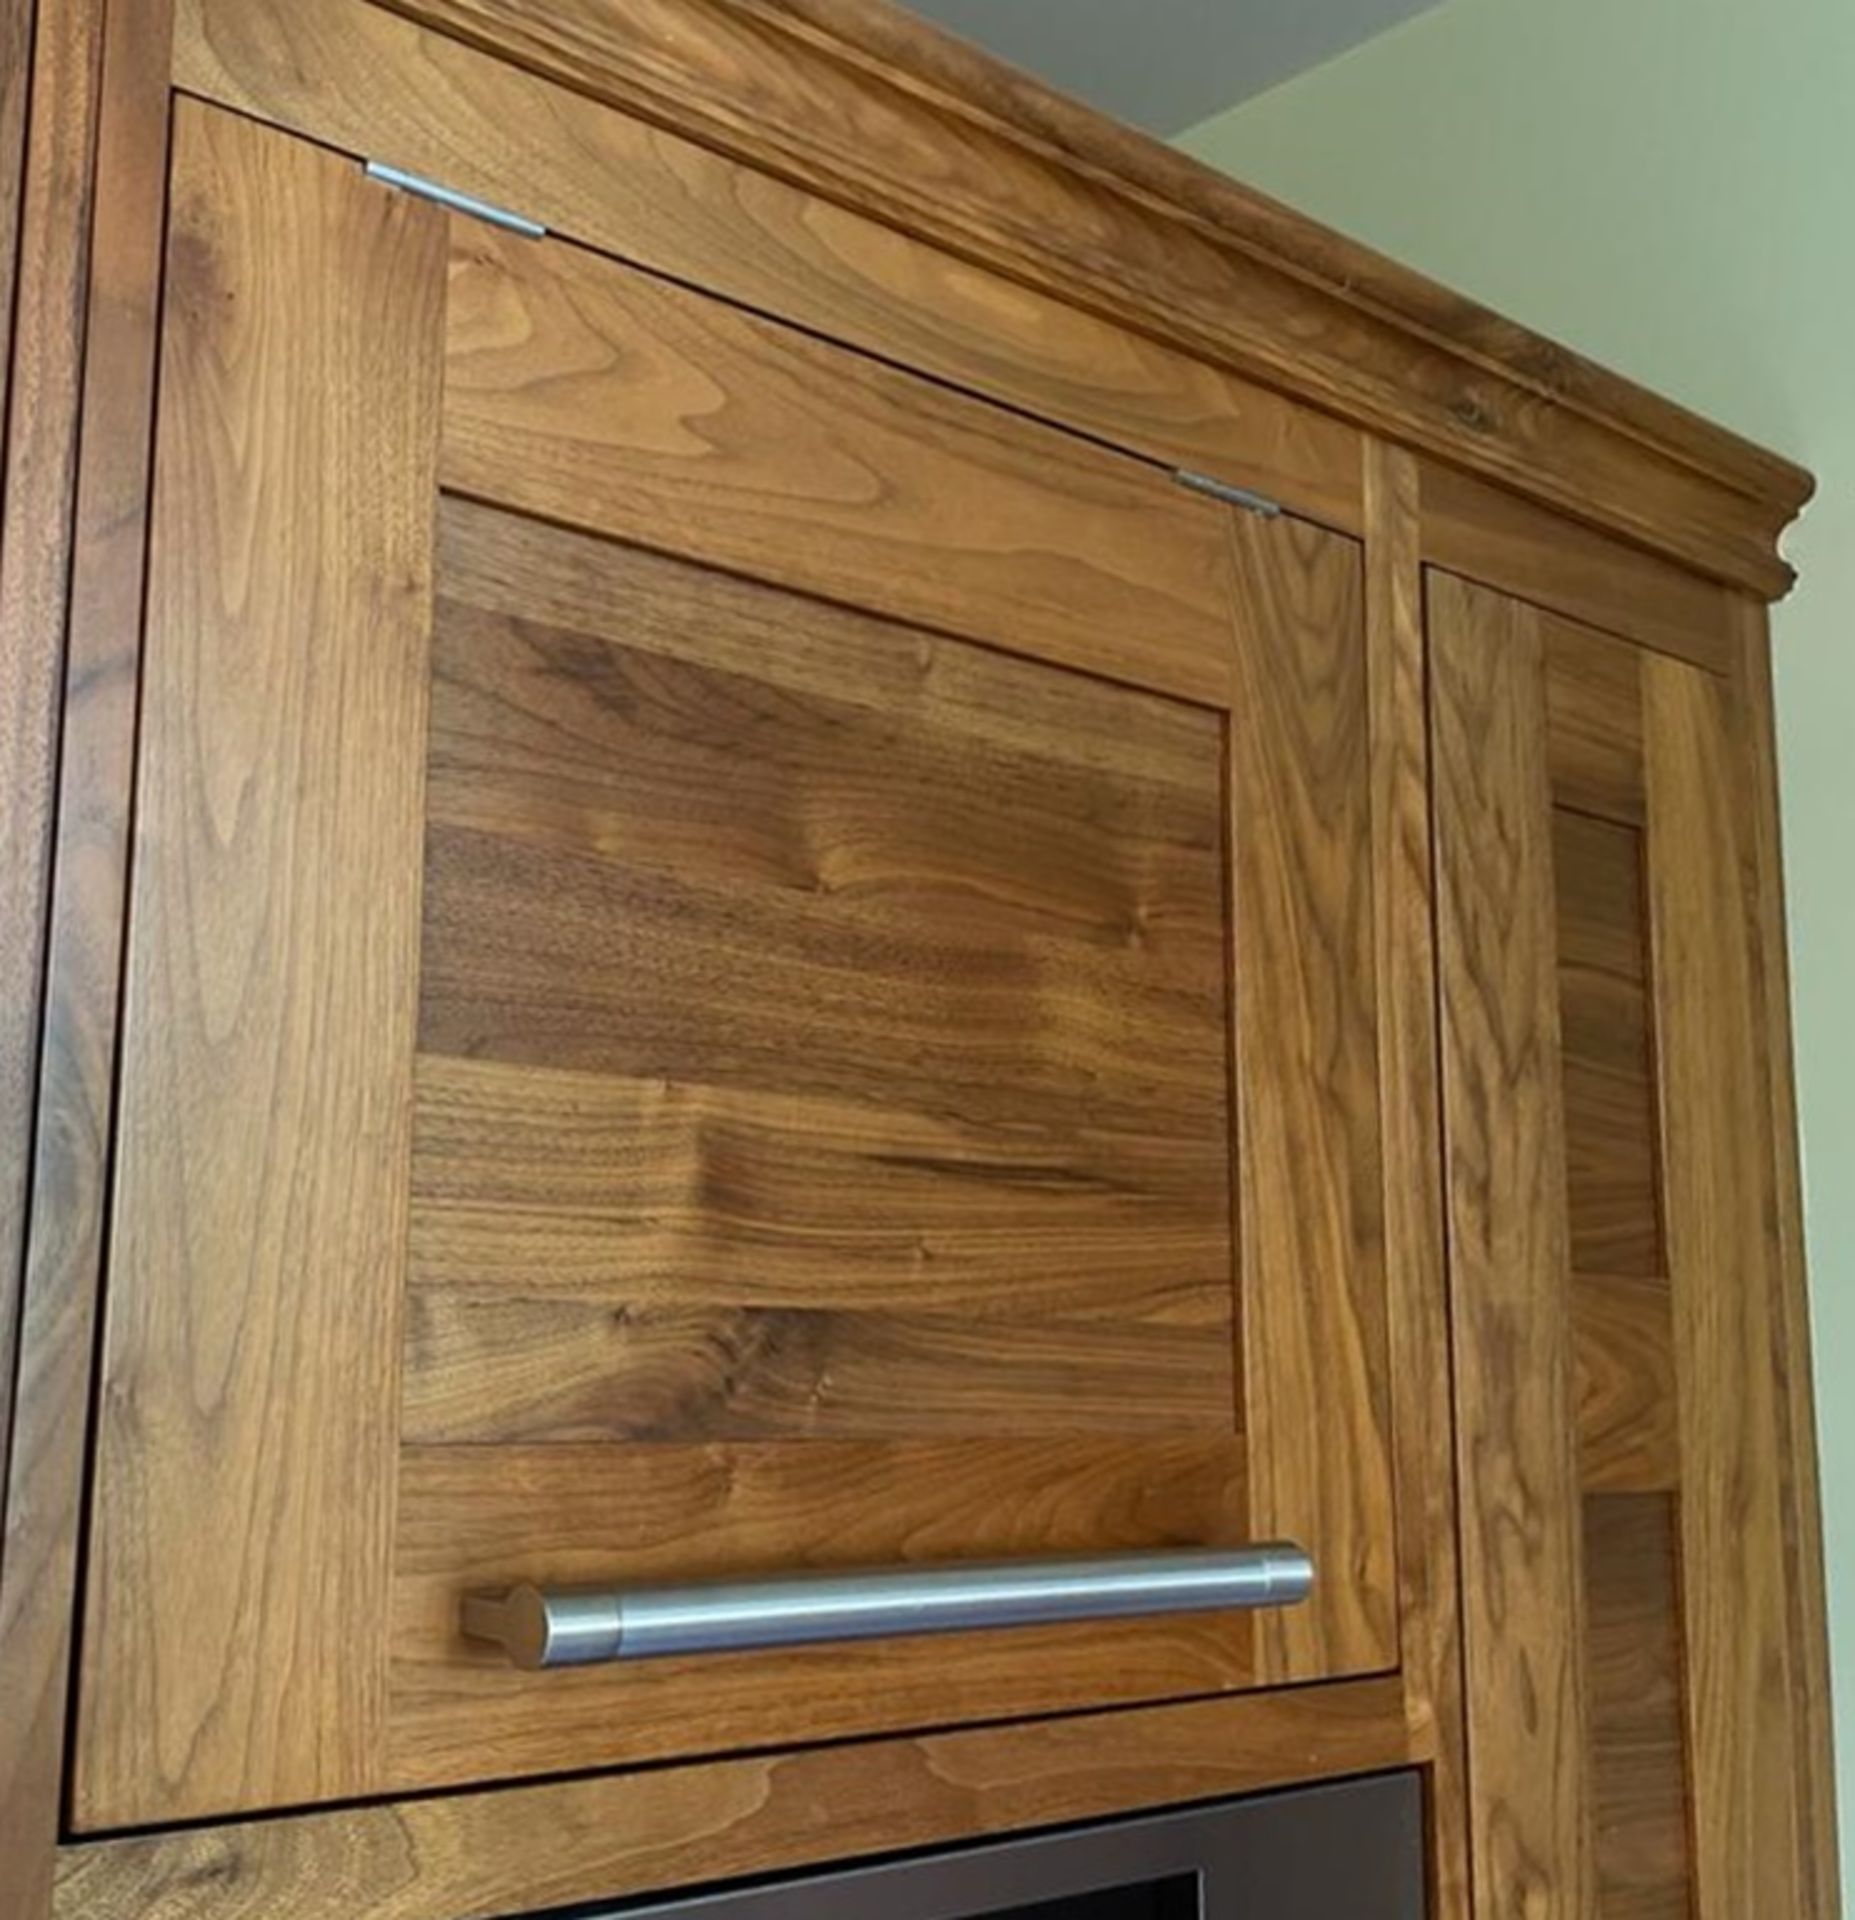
x=242, y=1525
x=584, y=393
x=725, y=909
x=640, y=868
x=584, y=745
x=579, y=961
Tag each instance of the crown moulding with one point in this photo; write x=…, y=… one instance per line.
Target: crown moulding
x=865, y=105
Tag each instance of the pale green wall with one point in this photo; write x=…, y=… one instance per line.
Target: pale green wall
x=1668, y=186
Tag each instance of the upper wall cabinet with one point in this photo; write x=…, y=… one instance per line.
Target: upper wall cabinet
x=737, y=961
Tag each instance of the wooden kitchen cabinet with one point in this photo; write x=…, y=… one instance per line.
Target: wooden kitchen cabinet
x=881, y=832
x=697, y=905
x=1618, y=1300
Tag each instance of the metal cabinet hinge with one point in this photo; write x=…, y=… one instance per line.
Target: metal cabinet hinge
x=457, y=202
x=1233, y=496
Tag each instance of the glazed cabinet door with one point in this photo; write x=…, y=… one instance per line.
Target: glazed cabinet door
x=1613, y=1279
x=737, y=962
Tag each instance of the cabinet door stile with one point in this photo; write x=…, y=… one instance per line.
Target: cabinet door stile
x=1306, y=1034
x=1809, y=1637
x=244, y=1479
x=1509, y=1259
x=1410, y=1102
x=1719, y=1200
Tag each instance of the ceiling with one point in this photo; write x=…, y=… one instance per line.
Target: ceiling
x=1166, y=64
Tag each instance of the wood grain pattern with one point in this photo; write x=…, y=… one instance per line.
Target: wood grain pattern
x=1610, y=1123
x=1597, y=868
x=947, y=1021
x=1486, y=534
x=351, y=75
x=988, y=90
x=45, y=178
x=1523, y=1622
x=1429, y=1621
x=15, y=87
x=1809, y=1629
x=586, y=1188
x=90, y=636
x=87, y=284
x=850, y=991
x=500, y=563
x=25, y=771
x=679, y=752
x=571, y=961
x=478, y=1855
x=589, y=394
x=498, y=1365
x=1118, y=1343
x=1724, y=1271
x=1594, y=713
x=470, y=1513
x=478, y=1517
x=1143, y=236
x=1628, y=1407
x=750, y=919
x=1700, y=1760
x=1608, y=1046
x=1638, y=1744
x=879, y=906
x=243, y=1499
x=1311, y=1202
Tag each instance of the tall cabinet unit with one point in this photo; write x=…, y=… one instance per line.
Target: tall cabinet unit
x=804, y=815
x=1617, y=1291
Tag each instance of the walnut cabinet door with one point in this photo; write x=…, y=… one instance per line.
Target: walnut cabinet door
x=737, y=961
x=1609, y=1153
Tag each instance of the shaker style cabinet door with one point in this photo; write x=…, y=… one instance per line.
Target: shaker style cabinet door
x=738, y=962
x=1613, y=1276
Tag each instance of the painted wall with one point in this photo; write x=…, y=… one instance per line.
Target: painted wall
x=1668, y=186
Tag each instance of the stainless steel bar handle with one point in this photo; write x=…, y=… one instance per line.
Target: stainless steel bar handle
x=552, y=1628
